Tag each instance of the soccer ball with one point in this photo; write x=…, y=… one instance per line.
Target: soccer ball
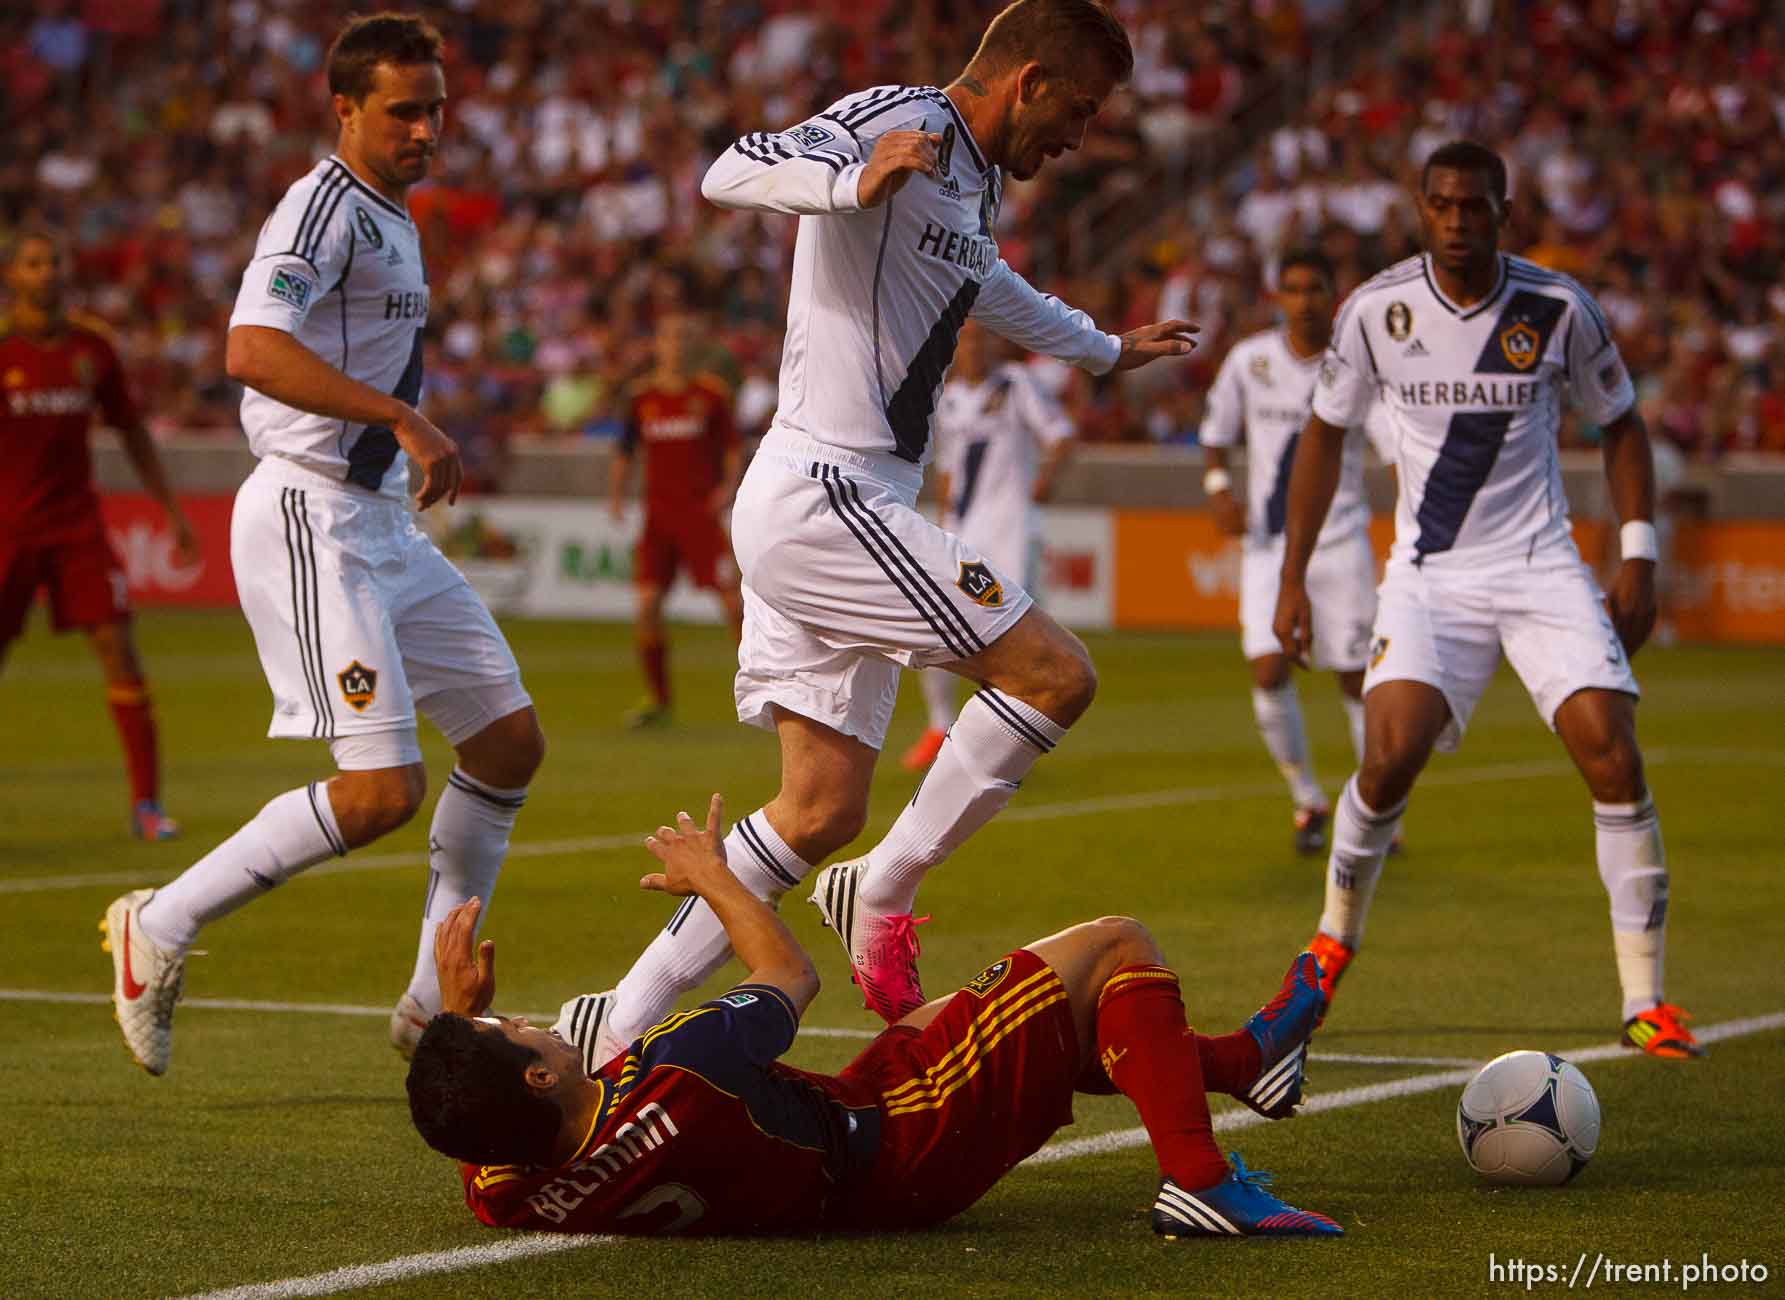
x=1529, y=1119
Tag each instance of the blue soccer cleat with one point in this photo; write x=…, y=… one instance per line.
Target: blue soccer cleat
x=1237, y=1206
x=1282, y=1028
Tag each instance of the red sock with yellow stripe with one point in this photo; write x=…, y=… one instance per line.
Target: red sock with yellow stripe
x=135, y=719
x=1149, y=1051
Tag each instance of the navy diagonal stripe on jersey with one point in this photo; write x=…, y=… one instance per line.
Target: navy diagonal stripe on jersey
x=1471, y=446
x=835, y=490
x=972, y=463
x=1025, y=730
x=1551, y=280
x=374, y=451
x=912, y=405
x=753, y=837
x=902, y=555
x=1538, y=312
x=1276, y=507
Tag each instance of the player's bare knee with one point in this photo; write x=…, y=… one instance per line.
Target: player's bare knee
x=1615, y=774
x=817, y=829
x=368, y=805
x=1130, y=942
x=1069, y=683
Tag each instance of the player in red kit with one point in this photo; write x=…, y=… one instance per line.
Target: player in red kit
x=57, y=373
x=697, y=1128
x=680, y=422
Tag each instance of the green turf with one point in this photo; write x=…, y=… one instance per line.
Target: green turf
x=278, y=1145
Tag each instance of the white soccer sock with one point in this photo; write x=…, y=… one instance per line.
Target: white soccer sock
x=467, y=841
x=1633, y=865
x=1361, y=837
x=1279, y=715
x=693, y=945
x=294, y=831
x=1354, y=722
x=989, y=750
x=939, y=696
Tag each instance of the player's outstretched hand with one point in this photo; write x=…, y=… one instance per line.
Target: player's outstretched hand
x=689, y=854
x=1294, y=621
x=897, y=154
x=1168, y=338
x=467, y=968
x=1631, y=602
x=436, y=454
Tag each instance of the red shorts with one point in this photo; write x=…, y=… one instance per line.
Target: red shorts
x=689, y=536
x=86, y=583
x=966, y=1098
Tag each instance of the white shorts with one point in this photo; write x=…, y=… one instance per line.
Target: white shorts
x=1446, y=627
x=358, y=617
x=1341, y=588
x=845, y=583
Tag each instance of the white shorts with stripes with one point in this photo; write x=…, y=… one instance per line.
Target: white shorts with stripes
x=359, y=619
x=845, y=584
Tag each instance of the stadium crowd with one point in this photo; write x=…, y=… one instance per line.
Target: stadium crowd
x=1647, y=139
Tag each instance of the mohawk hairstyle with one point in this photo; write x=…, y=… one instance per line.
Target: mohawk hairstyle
x=1056, y=34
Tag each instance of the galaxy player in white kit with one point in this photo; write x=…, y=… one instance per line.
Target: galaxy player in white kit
x=845, y=583
x=1260, y=396
x=1000, y=440
x=1469, y=351
x=359, y=620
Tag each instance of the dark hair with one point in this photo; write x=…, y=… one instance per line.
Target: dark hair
x=1056, y=34
x=378, y=38
x=1312, y=258
x=469, y=1098
x=1468, y=156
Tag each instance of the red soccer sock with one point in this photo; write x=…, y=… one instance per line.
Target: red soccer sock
x=135, y=718
x=1149, y=1051
x=1230, y=1062
x=654, y=655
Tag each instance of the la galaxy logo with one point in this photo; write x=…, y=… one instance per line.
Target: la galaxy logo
x=981, y=586
x=359, y=686
x=1519, y=342
x=1378, y=648
x=989, y=978
x=1261, y=370
x=368, y=228
x=1399, y=320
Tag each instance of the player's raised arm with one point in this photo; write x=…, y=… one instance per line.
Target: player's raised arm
x=813, y=169
x=1039, y=322
x=694, y=864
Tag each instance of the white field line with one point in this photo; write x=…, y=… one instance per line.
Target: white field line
x=1175, y=797
x=541, y=1018
x=407, y=1267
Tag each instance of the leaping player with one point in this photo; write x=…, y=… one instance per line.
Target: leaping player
x=1469, y=350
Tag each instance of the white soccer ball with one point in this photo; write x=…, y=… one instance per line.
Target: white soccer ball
x=1528, y=1119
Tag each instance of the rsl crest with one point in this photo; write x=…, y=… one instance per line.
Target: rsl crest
x=989, y=978
x=981, y=584
x=359, y=686
x=1519, y=342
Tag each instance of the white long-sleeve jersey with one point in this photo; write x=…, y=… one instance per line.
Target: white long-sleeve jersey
x=879, y=294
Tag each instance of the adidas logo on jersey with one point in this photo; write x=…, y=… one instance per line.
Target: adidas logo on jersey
x=1416, y=349
x=949, y=189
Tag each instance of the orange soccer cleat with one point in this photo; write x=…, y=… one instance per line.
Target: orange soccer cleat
x=1661, y=1031
x=1333, y=957
x=923, y=752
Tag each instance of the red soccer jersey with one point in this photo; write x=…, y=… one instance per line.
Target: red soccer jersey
x=684, y=435
x=688, y=1106
x=50, y=388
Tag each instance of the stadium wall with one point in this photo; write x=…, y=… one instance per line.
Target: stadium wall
x=1128, y=546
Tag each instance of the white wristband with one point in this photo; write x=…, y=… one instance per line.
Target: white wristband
x=1216, y=480
x=1637, y=541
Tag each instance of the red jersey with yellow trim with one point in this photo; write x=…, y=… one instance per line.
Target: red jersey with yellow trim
x=684, y=434
x=688, y=1106
x=51, y=386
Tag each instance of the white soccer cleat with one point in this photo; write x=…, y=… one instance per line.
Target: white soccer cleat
x=146, y=982
x=407, y=1024
x=583, y=1022
x=882, y=947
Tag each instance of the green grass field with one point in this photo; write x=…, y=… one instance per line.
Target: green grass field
x=278, y=1146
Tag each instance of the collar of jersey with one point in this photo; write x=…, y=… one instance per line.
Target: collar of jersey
x=1306, y=363
x=963, y=130
x=1462, y=313
x=367, y=190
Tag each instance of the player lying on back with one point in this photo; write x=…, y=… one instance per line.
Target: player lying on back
x=697, y=1128
x=1468, y=350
